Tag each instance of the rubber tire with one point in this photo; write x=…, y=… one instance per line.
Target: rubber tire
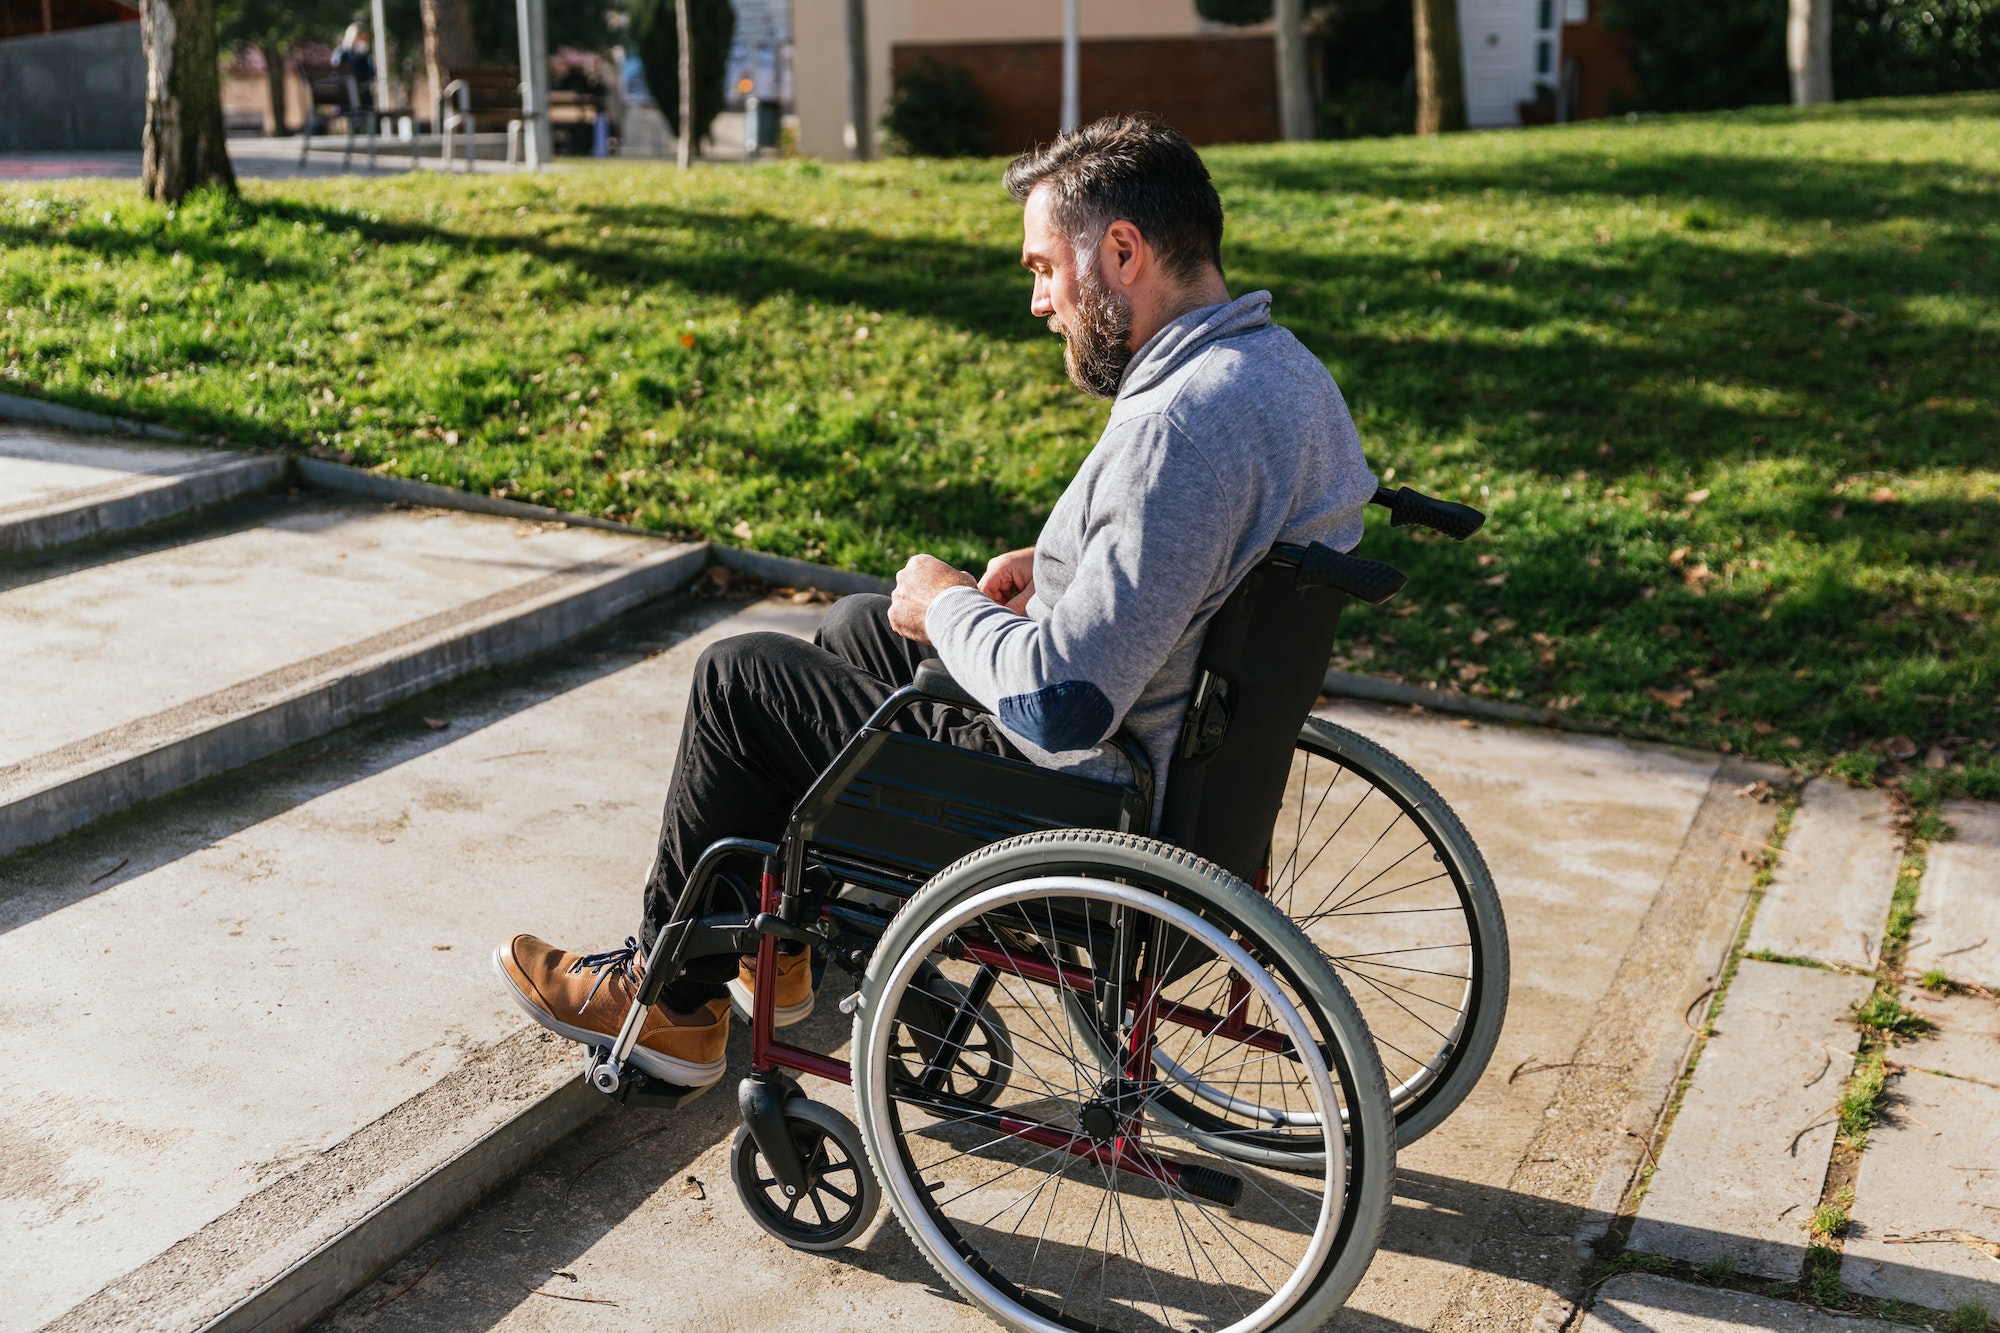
x=743, y=1157
x=1370, y=1174
x=1421, y=802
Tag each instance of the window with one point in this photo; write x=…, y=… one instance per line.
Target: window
x=1576, y=11
x=1546, y=17
x=1544, y=56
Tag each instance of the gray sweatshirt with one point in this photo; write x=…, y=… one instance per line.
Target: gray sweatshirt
x=1226, y=438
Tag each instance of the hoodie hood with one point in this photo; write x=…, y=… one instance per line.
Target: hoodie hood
x=1183, y=339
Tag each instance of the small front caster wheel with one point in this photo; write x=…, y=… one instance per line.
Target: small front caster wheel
x=841, y=1194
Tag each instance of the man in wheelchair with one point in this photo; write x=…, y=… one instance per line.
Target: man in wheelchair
x=1226, y=437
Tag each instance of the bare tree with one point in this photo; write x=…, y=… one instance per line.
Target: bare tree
x=1809, y=51
x=185, y=143
x=448, y=44
x=1295, y=113
x=684, y=150
x=857, y=80
x=1440, y=68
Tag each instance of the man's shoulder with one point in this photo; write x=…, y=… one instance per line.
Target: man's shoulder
x=1257, y=373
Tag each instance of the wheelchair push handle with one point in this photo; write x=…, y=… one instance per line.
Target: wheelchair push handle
x=1371, y=581
x=1407, y=508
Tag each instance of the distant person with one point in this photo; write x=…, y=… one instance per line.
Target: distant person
x=353, y=58
x=1226, y=437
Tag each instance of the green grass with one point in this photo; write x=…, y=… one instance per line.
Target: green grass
x=1729, y=386
x=1861, y=1101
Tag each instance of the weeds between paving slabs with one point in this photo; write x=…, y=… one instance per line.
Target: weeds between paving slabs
x=1728, y=384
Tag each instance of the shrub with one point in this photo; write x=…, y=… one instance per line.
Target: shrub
x=938, y=111
x=711, y=26
x=1711, y=57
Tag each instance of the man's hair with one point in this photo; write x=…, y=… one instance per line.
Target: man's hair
x=1133, y=167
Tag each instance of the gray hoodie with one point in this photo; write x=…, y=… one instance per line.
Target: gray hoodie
x=1226, y=438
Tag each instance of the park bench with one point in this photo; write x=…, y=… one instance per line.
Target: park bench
x=480, y=97
x=333, y=94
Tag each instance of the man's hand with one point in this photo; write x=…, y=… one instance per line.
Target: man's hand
x=1010, y=579
x=916, y=584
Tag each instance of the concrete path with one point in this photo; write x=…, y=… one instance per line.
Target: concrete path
x=1958, y=929
x=254, y=974
x=1746, y=1162
x=1623, y=887
x=1639, y=1303
x=1830, y=892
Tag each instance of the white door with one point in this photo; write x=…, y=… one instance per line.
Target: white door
x=1500, y=39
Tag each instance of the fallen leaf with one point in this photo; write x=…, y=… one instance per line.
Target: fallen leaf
x=1674, y=698
x=861, y=334
x=1899, y=748
x=1670, y=631
x=564, y=1272
x=741, y=531
x=1762, y=728
x=1487, y=559
x=1872, y=691
x=1502, y=625
x=1937, y=757
x=1881, y=495
x=687, y=340
x=436, y=723
x=1496, y=581
x=1678, y=555
x=1480, y=636
x=1472, y=671
x=692, y=1188
x=1794, y=743
x=1697, y=497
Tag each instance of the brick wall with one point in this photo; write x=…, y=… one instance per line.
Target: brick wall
x=1212, y=89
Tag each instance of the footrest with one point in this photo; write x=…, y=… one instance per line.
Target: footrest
x=1214, y=1186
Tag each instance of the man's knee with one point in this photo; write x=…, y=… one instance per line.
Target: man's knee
x=852, y=622
x=741, y=660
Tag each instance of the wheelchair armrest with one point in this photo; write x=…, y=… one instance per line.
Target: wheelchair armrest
x=933, y=681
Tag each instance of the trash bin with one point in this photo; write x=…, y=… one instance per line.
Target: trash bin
x=760, y=124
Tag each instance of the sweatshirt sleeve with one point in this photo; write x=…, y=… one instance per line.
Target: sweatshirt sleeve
x=1155, y=546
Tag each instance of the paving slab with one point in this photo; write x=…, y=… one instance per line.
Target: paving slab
x=131, y=677
x=1966, y=1039
x=1746, y=1159
x=1926, y=1217
x=210, y=997
x=1580, y=836
x=58, y=487
x=1830, y=891
x=1642, y=1303
x=1958, y=906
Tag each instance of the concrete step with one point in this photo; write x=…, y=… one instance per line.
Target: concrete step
x=251, y=1046
x=1633, y=1301
x=57, y=487
x=137, y=669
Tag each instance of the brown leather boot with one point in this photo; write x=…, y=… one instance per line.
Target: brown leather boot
x=795, y=988
x=585, y=997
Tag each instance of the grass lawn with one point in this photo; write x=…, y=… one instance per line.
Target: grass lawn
x=1729, y=385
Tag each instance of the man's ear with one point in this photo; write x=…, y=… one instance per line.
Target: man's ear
x=1124, y=252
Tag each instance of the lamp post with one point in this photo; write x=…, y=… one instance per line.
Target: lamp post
x=1071, y=114
x=532, y=17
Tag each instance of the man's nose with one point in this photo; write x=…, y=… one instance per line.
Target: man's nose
x=1040, y=305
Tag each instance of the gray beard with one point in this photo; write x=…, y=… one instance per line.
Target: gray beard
x=1099, y=348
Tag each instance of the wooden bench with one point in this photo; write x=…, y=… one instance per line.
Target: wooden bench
x=334, y=94
x=481, y=97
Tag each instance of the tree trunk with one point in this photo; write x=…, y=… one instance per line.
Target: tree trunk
x=274, y=93
x=1295, y=113
x=684, y=150
x=1809, y=51
x=858, y=129
x=185, y=145
x=1440, y=68
x=448, y=46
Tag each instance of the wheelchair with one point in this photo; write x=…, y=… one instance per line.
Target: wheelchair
x=1106, y=1080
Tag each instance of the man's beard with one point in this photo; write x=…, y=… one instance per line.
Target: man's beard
x=1099, y=348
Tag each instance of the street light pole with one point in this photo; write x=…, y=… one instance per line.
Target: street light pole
x=381, y=23
x=532, y=18
x=1071, y=113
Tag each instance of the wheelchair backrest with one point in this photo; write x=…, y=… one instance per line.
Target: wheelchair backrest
x=1262, y=666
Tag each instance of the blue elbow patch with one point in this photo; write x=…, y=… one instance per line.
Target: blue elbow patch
x=1069, y=715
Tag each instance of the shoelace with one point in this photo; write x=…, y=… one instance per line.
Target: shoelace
x=610, y=963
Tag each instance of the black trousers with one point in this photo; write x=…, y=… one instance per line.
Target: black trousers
x=766, y=715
